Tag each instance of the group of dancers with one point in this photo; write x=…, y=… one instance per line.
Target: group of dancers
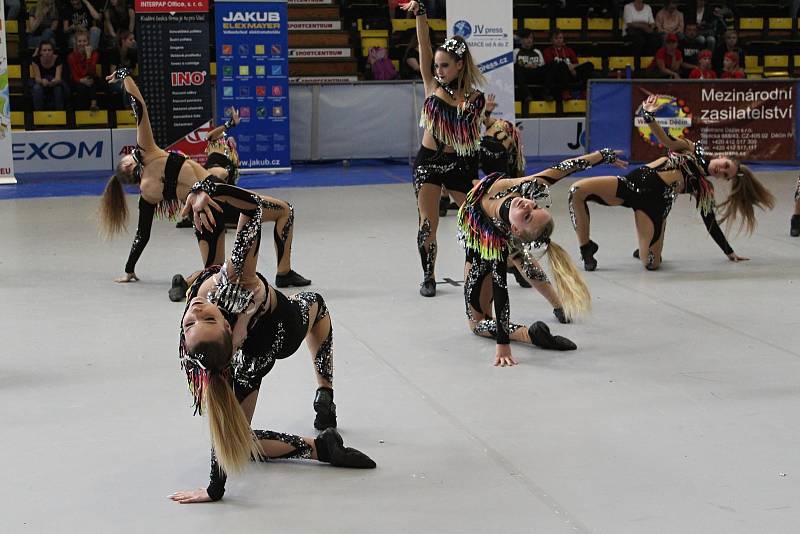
x=235, y=325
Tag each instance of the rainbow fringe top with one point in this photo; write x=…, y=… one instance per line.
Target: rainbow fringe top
x=455, y=126
x=694, y=167
x=476, y=230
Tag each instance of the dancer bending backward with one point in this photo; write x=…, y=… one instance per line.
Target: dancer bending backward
x=164, y=178
x=233, y=329
x=452, y=116
x=502, y=151
x=504, y=218
x=652, y=189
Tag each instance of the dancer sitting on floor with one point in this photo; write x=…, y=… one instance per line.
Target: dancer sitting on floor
x=505, y=218
x=163, y=179
x=652, y=189
x=452, y=116
x=235, y=326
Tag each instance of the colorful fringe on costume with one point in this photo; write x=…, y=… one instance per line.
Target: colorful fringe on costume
x=476, y=231
x=169, y=209
x=519, y=155
x=458, y=127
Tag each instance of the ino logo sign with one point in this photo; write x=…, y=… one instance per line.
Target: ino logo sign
x=60, y=150
x=180, y=79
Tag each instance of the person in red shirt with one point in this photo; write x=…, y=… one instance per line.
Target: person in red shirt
x=730, y=66
x=563, y=64
x=82, y=68
x=667, y=61
x=704, y=71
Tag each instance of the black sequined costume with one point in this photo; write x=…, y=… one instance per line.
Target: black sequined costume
x=168, y=207
x=272, y=333
x=496, y=157
x=644, y=190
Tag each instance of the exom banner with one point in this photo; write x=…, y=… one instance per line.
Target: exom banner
x=173, y=40
x=488, y=30
x=753, y=120
x=253, y=76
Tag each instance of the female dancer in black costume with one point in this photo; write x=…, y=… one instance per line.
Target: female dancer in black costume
x=794, y=226
x=504, y=219
x=164, y=178
x=451, y=115
x=233, y=329
x=651, y=190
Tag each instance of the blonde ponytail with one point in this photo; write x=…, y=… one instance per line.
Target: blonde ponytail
x=569, y=283
x=231, y=436
x=113, y=210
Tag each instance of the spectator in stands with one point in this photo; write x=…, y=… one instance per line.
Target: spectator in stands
x=703, y=71
x=563, y=66
x=83, y=71
x=530, y=69
x=118, y=16
x=669, y=20
x=690, y=46
x=709, y=24
x=730, y=66
x=47, y=86
x=123, y=55
x=42, y=25
x=639, y=26
x=81, y=14
x=729, y=44
x=409, y=66
x=668, y=60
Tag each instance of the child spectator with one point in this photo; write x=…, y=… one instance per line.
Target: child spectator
x=703, y=71
x=668, y=60
x=530, y=69
x=81, y=14
x=47, y=86
x=730, y=66
x=83, y=74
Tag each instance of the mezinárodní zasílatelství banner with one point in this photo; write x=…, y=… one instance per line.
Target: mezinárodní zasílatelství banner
x=752, y=120
x=174, y=69
x=488, y=29
x=6, y=156
x=253, y=75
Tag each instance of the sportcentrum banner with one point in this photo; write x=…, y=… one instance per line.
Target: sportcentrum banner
x=6, y=158
x=174, y=69
x=753, y=120
x=253, y=75
x=488, y=29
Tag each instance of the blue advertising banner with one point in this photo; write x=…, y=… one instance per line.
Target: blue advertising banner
x=253, y=76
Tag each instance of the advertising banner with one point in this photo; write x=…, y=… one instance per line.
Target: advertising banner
x=753, y=120
x=253, y=75
x=6, y=158
x=64, y=150
x=173, y=40
x=490, y=36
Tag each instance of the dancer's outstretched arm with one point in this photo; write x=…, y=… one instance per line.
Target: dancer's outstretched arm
x=217, y=132
x=424, y=38
x=573, y=165
x=650, y=106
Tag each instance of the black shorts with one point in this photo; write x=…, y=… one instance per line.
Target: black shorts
x=643, y=190
x=447, y=169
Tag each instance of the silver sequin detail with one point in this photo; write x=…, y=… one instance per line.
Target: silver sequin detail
x=246, y=237
x=571, y=204
x=232, y=297
x=572, y=165
x=530, y=189
x=289, y=223
x=797, y=191
x=301, y=448
x=323, y=359
x=475, y=275
x=428, y=257
x=424, y=171
x=489, y=326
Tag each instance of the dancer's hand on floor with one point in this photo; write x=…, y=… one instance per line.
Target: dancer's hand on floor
x=187, y=497
x=503, y=358
x=129, y=277
x=734, y=257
